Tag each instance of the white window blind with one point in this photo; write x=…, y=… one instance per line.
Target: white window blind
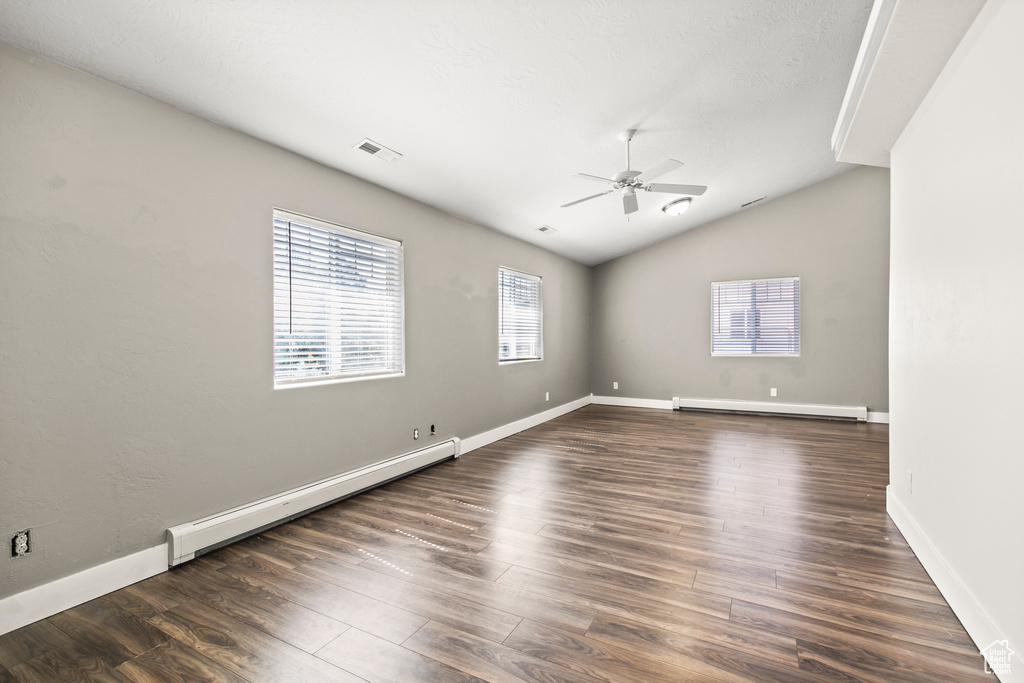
x=755, y=317
x=338, y=302
x=519, y=316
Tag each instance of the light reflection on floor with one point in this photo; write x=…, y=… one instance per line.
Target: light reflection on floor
x=383, y=561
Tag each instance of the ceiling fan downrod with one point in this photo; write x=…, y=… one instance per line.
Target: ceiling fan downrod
x=626, y=137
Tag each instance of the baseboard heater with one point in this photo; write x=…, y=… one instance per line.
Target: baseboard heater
x=859, y=413
x=185, y=541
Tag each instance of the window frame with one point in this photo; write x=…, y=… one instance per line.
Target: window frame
x=539, y=280
x=385, y=370
x=758, y=354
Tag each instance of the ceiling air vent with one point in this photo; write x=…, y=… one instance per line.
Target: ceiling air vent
x=378, y=150
x=546, y=229
x=752, y=201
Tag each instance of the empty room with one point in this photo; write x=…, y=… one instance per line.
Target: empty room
x=448, y=340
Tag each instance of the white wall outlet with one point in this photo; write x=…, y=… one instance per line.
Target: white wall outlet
x=415, y=434
x=615, y=385
x=547, y=396
x=775, y=392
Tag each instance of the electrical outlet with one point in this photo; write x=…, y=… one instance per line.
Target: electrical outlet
x=615, y=385
x=547, y=395
x=21, y=543
x=415, y=434
x=775, y=392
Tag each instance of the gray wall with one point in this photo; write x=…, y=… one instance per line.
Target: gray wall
x=135, y=323
x=651, y=310
x=957, y=326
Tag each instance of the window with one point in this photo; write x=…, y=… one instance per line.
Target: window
x=756, y=317
x=519, y=316
x=338, y=302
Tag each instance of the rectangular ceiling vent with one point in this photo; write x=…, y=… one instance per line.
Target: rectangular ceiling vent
x=752, y=201
x=546, y=229
x=378, y=150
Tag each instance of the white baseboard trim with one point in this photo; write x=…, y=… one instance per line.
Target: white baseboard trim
x=882, y=418
x=44, y=601
x=980, y=626
x=498, y=433
x=633, y=402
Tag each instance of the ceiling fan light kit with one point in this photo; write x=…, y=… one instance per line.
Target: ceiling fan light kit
x=630, y=181
x=677, y=207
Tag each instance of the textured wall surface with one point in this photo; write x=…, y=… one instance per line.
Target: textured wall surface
x=652, y=309
x=957, y=324
x=135, y=323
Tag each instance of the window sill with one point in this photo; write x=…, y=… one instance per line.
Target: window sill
x=755, y=355
x=295, y=384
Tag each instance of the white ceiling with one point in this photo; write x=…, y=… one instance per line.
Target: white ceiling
x=494, y=105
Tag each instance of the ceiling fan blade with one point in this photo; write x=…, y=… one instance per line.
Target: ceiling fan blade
x=629, y=204
x=594, y=177
x=695, y=190
x=659, y=170
x=593, y=196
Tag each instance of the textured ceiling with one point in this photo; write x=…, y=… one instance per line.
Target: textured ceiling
x=494, y=105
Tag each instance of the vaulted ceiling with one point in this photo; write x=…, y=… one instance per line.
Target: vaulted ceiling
x=493, y=105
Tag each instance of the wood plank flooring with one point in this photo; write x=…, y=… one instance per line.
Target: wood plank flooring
x=611, y=544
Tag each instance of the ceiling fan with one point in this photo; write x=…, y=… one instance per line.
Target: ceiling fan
x=630, y=181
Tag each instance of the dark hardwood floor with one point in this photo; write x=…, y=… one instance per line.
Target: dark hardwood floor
x=611, y=544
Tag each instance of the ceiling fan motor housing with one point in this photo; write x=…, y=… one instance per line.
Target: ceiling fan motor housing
x=629, y=181
x=626, y=177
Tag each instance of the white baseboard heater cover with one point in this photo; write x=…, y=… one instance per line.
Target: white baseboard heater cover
x=186, y=540
x=859, y=413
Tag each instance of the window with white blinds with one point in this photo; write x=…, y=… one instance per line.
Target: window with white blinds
x=338, y=302
x=520, y=336
x=756, y=317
